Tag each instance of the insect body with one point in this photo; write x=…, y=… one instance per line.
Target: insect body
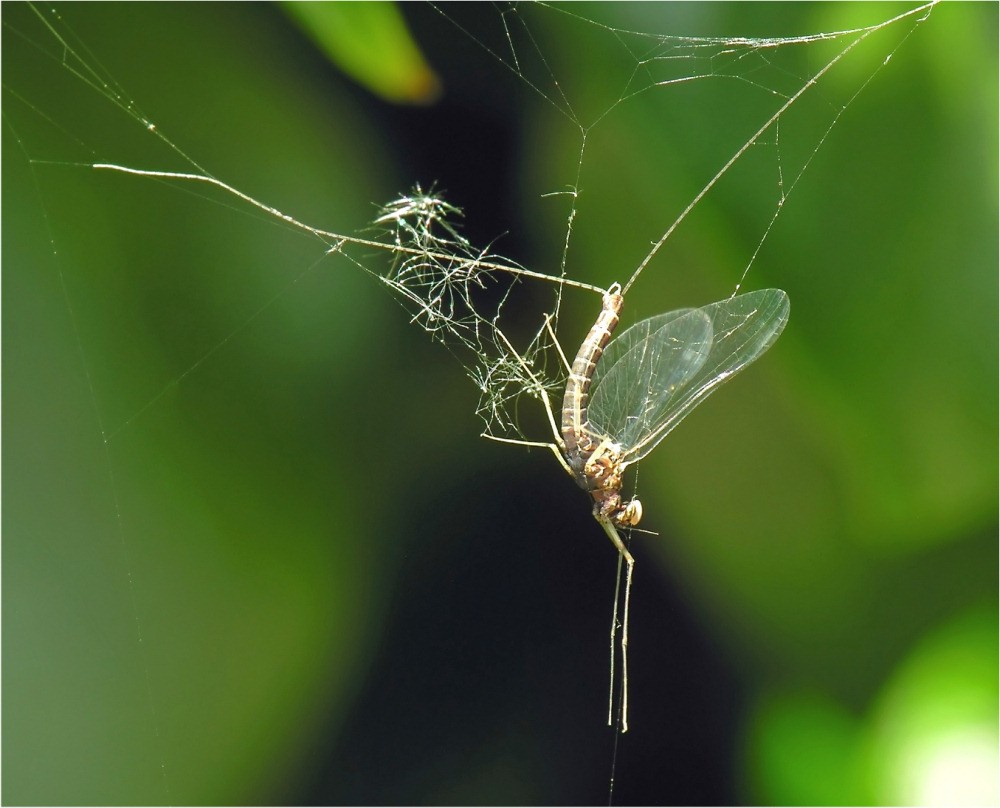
x=594, y=462
x=625, y=395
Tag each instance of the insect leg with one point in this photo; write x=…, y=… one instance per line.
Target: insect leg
x=539, y=389
x=555, y=449
x=555, y=341
x=614, y=633
x=625, y=555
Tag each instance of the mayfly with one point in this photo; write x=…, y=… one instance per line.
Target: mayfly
x=625, y=395
x=622, y=397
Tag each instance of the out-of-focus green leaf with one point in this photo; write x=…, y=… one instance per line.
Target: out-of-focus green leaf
x=930, y=737
x=801, y=750
x=933, y=737
x=370, y=42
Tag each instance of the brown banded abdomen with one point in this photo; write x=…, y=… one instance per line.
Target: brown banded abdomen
x=577, y=442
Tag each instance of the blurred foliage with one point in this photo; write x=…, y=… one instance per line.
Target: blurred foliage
x=931, y=738
x=928, y=738
x=254, y=549
x=369, y=42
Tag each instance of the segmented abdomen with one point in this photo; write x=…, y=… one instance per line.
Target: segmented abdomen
x=574, y=406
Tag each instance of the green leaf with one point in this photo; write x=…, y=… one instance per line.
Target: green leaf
x=371, y=44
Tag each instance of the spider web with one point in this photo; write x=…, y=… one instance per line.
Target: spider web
x=438, y=279
x=485, y=308
x=436, y=271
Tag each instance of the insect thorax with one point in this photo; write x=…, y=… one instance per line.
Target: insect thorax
x=599, y=471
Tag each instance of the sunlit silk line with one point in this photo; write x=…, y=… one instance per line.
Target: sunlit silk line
x=863, y=33
x=326, y=235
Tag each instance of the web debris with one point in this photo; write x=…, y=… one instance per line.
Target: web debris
x=457, y=294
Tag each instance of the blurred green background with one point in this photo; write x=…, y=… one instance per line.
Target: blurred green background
x=254, y=549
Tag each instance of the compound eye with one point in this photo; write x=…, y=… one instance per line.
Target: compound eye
x=631, y=513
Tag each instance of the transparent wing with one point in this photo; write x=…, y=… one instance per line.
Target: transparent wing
x=642, y=370
x=666, y=365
